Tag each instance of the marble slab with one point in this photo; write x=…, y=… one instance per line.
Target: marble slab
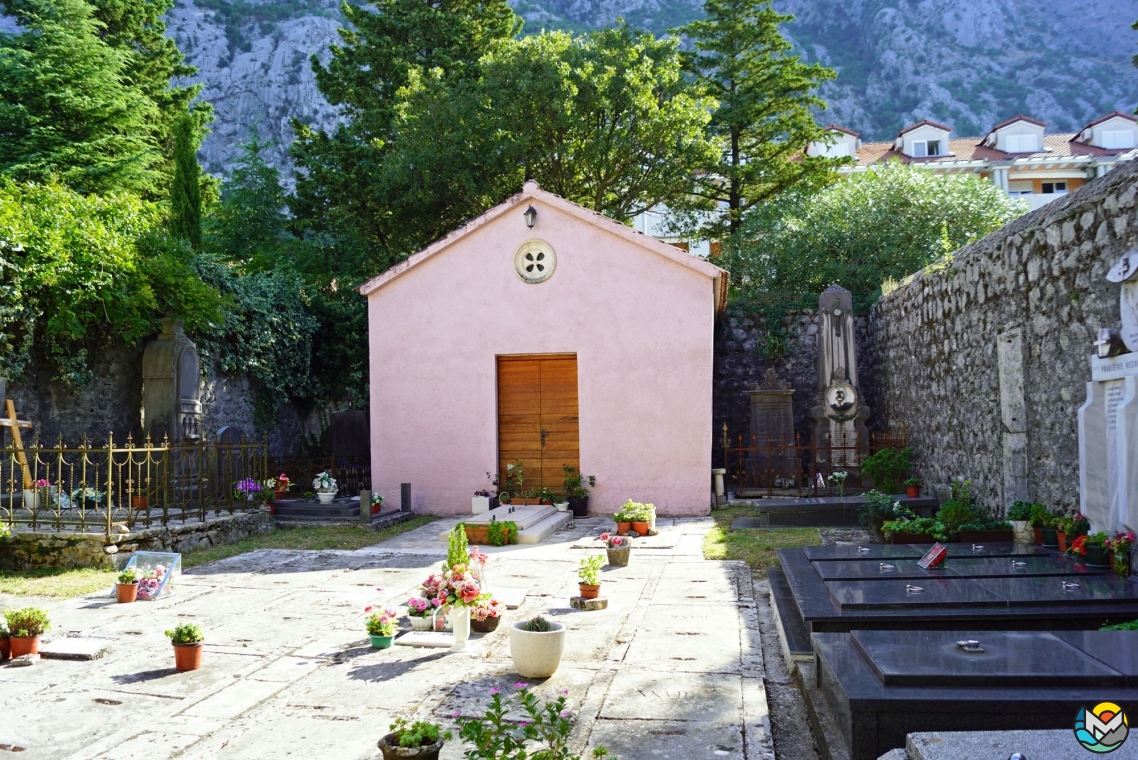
x=1117, y=649
x=897, y=594
x=1057, y=590
x=1016, y=566
x=1020, y=658
x=916, y=551
x=878, y=569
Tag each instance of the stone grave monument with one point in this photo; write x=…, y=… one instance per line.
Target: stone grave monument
x=1108, y=420
x=772, y=427
x=839, y=413
x=171, y=386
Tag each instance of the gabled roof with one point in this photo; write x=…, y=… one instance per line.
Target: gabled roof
x=923, y=123
x=1013, y=120
x=531, y=192
x=1108, y=117
x=836, y=128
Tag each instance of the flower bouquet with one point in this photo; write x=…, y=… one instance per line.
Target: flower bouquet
x=486, y=614
x=381, y=627
x=1119, y=546
x=325, y=487
x=422, y=613
x=246, y=490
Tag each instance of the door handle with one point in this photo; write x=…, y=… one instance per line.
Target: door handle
x=543, y=434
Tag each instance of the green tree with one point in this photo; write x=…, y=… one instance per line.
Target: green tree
x=65, y=109
x=885, y=223
x=605, y=120
x=185, y=192
x=249, y=226
x=764, y=119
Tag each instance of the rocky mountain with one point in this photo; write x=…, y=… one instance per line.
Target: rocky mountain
x=969, y=63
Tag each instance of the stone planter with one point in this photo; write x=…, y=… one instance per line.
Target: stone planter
x=479, y=504
x=126, y=592
x=489, y=625
x=562, y=506
x=187, y=656
x=619, y=555
x=392, y=751
x=1021, y=532
x=536, y=654
x=325, y=498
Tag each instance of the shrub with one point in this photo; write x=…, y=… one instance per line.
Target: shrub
x=589, y=570
x=417, y=734
x=128, y=577
x=1131, y=626
x=1020, y=511
x=186, y=633
x=502, y=532
x=27, y=622
x=955, y=513
x=544, y=732
x=537, y=625
x=888, y=468
x=878, y=508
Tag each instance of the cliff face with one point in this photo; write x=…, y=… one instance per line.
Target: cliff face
x=969, y=63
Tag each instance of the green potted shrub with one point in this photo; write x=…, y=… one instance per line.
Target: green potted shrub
x=588, y=575
x=381, y=627
x=1019, y=514
x=536, y=646
x=187, y=639
x=5, y=643
x=576, y=491
x=545, y=728
x=1040, y=518
x=413, y=741
x=878, y=509
x=1092, y=548
x=623, y=519
x=888, y=468
x=641, y=516
x=913, y=488
x=127, y=586
x=25, y=626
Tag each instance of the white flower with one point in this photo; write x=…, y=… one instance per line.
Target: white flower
x=324, y=483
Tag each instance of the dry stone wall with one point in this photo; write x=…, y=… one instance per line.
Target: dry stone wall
x=986, y=358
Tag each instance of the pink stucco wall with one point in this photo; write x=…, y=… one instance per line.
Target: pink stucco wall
x=640, y=324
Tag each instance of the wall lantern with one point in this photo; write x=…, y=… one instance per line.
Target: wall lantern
x=531, y=217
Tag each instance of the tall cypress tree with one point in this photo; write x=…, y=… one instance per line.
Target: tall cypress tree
x=764, y=119
x=185, y=194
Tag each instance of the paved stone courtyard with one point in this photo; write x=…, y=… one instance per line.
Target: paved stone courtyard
x=672, y=670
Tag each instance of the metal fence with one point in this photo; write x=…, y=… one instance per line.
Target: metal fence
x=783, y=468
x=102, y=489
x=352, y=474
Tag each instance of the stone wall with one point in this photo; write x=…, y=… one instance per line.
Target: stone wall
x=740, y=364
x=934, y=354
x=28, y=551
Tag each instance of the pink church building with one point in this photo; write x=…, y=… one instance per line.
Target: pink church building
x=547, y=334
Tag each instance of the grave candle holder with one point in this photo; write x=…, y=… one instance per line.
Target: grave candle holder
x=911, y=589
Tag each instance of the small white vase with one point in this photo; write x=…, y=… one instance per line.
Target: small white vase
x=325, y=498
x=421, y=623
x=31, y=499
x=562, y=506
x=460, y=621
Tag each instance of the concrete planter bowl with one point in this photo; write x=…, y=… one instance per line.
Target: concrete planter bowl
x=392, y=751
x=536, y=654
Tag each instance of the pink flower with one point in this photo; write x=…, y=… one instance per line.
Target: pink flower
x=469, y=591
x=604, y=536
x=523, y=724
x=494, y=691
x=436, y=603
x=521, y=685
x=377, y=588
x=369, y=608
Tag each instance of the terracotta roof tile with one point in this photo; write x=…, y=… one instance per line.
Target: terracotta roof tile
x=1014, y=119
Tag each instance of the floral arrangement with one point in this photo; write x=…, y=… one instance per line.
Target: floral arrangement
x=486, y=609
x=382, y=622
x=613, y=541
x=279, y=483
x=246, y=489
x=324, y=483
x=1120, y=543
x=150, y=581
x=43, y=483
x=376, y=499
x=477, y=557
x=544, y=732
x=419, y=607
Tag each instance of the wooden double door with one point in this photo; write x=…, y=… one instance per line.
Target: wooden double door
x=537, y=418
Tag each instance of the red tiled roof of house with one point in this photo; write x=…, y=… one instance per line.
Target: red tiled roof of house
x=1013, y=120
x=1108, y=117
x=967, y=149
x=836, y=128
x=922, y=123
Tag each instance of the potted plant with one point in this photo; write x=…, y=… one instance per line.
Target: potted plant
x=1049, y=533
x=127, y=586
x=588, y=576
x=34, y=497
x=1119, y=547
x=546, y=496
x=280, y=486
x=5, y=643
x=640, y=516
x=246, y=490
x=619, y=549
x=1019, y=514
x=500, y=533
x=480, y=502
x=325, y=487
x=418, y=741
x=381, y=627
x=536, y=646
x=1039, y=518
x=187, y=639
x=576, y=491
x=1070, y=527
x=1091, y=547
x=421, y=613
x=485, y=615
x=376, y=503
x=913, y=488
x=25, y=626
x=623, y=520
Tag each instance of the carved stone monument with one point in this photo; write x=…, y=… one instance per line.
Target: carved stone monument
x=171, y=386
x=1108, y=420
x=839, y=413
x=772, y=427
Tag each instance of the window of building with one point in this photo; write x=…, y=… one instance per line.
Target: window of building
x=1123, y=138
x=923, y=148
x=1021, y=143
x=1057, y=188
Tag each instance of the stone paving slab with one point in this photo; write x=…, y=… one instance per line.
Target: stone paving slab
x=75, y=649
x=288, y=670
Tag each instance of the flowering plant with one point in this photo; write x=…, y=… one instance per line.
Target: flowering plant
x=279, y=483
x=43, y=483
x=477, y=557
x=1078, y=546
x=324, y=483
x=419, y=607
x=150, y=581
x=486, y=609
x=381, y=623
x=840, y=478
x=246, y=488
x=543, y=734
x=1120, y=543
x=613, y=541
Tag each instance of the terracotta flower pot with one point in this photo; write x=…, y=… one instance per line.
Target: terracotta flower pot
x=392, y=751
x=589, y=592
x=139, y=502
x=1062, y=540
x=913, y=492
x=187, y=656
x=623, y=527
x=5, y=648
x=278, y=495
x=21, y=645
x=641, y=528
x=477, y=534
x=489, y=625
x=127, y=592
x=1038, y=535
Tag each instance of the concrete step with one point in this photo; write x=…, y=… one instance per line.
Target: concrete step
x=387, y=519
x=524, y=517
x=544, y=529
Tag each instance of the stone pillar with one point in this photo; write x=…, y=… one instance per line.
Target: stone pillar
x=1013, y=407
x=839, y=413
x=171, y=386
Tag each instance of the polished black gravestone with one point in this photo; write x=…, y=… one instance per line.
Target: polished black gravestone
x=880, y=686
x=982, y=587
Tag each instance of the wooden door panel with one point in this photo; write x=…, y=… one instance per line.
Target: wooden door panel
x=537, y=394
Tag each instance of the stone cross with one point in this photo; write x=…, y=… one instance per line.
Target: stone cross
x=840, y=413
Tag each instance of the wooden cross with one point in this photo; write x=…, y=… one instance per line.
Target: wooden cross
x=14, y=426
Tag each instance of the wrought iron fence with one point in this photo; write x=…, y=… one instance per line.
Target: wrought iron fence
x=103, y=489
x=783, y=468
x=352, y=474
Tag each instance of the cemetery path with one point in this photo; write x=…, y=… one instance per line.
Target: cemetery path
x=672, y=670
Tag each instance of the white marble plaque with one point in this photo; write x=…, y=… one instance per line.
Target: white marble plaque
x=1114, y=368
x=1108, y=454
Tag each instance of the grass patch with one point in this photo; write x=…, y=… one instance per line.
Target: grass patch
x=755, y=546
x=64, y=584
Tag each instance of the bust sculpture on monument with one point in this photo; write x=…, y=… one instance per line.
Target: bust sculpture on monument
x=840, y=434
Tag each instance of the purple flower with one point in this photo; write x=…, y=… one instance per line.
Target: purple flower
x=564, y=692
x=457, y=715
x=563, y=714
x=494, y=691
x=521, y=685
x=523, y=724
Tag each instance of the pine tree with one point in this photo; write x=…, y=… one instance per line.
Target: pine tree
x=64, y=107
x=764, y=119
x=249, y=225
x=185, y=194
